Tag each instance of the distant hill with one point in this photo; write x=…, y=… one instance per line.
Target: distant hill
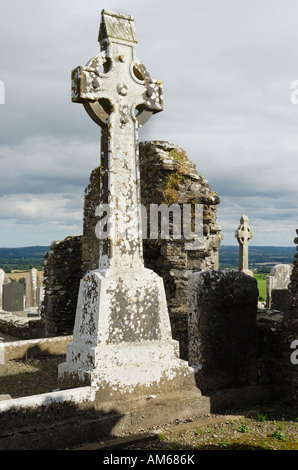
x=261, y=258
x=23, y=258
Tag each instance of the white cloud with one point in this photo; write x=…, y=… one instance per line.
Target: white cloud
x=47, y=164
x=227, y=69
x=40, y=209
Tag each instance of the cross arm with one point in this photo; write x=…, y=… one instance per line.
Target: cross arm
x=86, y=88
x=85, y=81
x=152, y=96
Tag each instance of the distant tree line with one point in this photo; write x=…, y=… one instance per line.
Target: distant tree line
x=22, y=259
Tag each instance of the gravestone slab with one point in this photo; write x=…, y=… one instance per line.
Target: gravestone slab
x=223, y=329
x=13, y=297
x=279, y=278
x=4, y=279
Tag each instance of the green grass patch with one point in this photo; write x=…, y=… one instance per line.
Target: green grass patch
x=261, y=280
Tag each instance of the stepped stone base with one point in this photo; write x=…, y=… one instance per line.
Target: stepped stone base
x=122, y=343
x=68, y=418
x=133, y=370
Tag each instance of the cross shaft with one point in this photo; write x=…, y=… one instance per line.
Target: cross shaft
x=119, y=95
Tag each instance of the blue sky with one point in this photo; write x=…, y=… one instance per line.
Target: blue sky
x=227, y=67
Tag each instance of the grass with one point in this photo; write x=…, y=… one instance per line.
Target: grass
x=261, y=416
x=25, y=377
x=261, y=279
x=275, y=428
x=243, y=428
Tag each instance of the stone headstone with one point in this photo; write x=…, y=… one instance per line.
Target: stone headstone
x=122, y=344
x=33, y=283
x=279, y=278
x=40, y=296
x=244, y=235
x=4, y=279
x=13, y=297
x=223, y=329
x=279, y=299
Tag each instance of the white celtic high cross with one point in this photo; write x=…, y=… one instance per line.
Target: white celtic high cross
x=243, y=235
x=122, y=340
x=119, y=94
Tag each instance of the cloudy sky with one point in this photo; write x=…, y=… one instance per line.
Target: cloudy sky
x=227, y=68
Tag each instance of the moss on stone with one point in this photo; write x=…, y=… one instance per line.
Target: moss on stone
x=170, y=192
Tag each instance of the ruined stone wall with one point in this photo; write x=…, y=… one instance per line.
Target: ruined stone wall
x=21, y=327
x=290, y=327
x=233, y=344
x=90, y=246
x=169, y=177
x=62, y=274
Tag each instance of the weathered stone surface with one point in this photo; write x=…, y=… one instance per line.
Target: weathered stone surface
x=125, y=339
x=169, y=177
x=223, y=329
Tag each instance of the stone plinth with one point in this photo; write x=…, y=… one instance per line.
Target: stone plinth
x=122, y=341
